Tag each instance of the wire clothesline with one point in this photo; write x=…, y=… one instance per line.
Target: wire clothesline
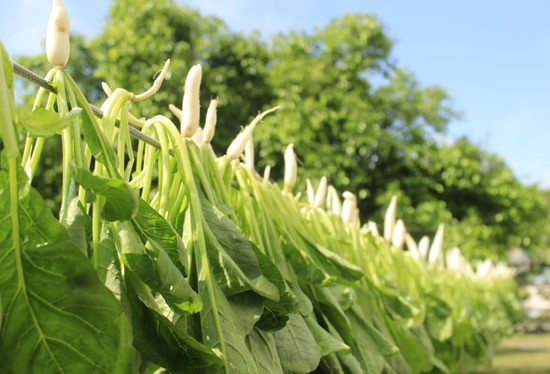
x=32, y=77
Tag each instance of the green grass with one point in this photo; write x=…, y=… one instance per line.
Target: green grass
x=522, y=354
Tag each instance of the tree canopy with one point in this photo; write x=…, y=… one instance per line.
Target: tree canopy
x=353, y=113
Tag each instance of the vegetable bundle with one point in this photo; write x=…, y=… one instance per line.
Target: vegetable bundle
x=169, y=258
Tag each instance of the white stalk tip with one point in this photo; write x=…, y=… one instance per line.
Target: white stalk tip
x=238, y=144
x=398, y=236
x=57, y=36
x=389, y=219
x=373, y=229
x=423, y=247
x=321, y=193
x=336, y=204
x=267, y=172
x=191, y=102
x=291, y=168
x=249, y=154
x=435, y=255
x=349, y=208
x=412, y=247
x=210, y=122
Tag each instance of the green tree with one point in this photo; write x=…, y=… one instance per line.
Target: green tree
x=353, y=113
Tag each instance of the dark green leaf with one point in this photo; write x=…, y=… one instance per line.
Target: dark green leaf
x=232, y=257
x=121, y=202
x=327, y=342
x=154, y=227
x=297, y=348
x=160, y=336
x=57, y=316
x=44, y=122
x=153, y=266
x=263, y=348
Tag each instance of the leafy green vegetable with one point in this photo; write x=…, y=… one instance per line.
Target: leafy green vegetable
x=121, y=202
x=44, y=122
x=73, y=324
x=296, y=345
x=152, y=265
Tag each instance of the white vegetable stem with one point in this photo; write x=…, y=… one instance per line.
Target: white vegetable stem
x=321, y=193
x=349, y=208
x=335, y=203
x=156, y=84
x=412, y=247
x=373, y=229
x=210, y=122
x=191, y=102
x=389, y=219
x=267, y=172
x=435, y=256
x=423, y=246
x=238, y=144
x=291, y=168
x=249, y=154
x=57, y=36
x=398, y=236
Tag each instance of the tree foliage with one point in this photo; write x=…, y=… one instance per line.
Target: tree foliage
x=353, y=113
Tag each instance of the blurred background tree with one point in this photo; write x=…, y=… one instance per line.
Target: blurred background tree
x=353, y=113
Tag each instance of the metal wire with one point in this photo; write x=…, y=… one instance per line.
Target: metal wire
x=32, y=77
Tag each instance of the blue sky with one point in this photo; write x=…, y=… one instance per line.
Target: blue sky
x=492, y=56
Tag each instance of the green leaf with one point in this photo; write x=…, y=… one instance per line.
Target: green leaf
x=275, y=314
x=222, y=326
x=335, y=264
x=121, y=202
x=44, y=122
x=8, y=70
x=332, y=311
x=153, y=266
x=296, y=345
x=263, y=348
x=154, y=227
x=439, y=321
x=327, y=342
x=78, y=224
x=57, y=316
x=7, y=106
x=232, y=257
x=160, y=336
x=94, y=138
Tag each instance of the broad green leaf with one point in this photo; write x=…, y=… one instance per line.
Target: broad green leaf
x=8, y=71
x=308, y=267
x=296, y=345
x=327, y=342
x=275, y=314
x=331, y=364
x=57, y=316
x=159, y=335
x=221, y=325
x=335, y=264
x=121, y=202
x=154, y=227
x=263, y=348
x=94, y=138
x=7, y=106
x=415, y=350
x=439, y=321
x=153, y=266
x=330, y=307
x=232, y=257
x=78, y=224
x=44, y=122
